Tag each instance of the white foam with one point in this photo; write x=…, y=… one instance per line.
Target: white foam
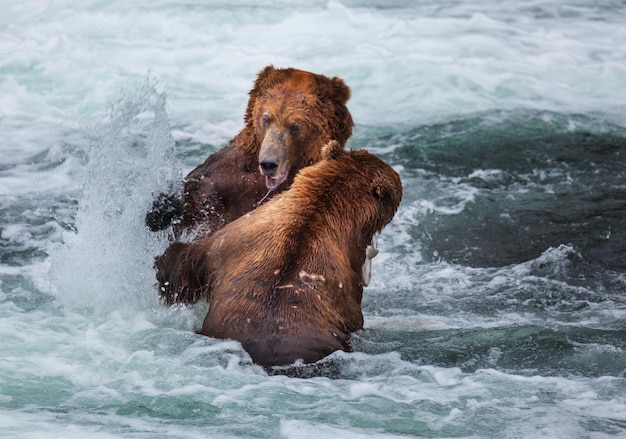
x=409, y=294
x=311, y=430
x=416, y=64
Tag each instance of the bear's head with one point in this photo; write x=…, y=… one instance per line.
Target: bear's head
x=293, y=114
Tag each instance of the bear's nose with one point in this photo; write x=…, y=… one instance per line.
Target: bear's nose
x=269, y=166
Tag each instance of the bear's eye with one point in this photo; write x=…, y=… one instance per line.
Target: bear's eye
x=294, y=127
x=266, y=120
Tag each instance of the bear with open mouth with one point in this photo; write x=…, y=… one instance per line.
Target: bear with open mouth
x=291, y=115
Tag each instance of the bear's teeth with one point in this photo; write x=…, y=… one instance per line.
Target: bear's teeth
x=273, y=182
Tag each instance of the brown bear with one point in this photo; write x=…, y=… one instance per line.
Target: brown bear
x=286, y=279
x=291, y=114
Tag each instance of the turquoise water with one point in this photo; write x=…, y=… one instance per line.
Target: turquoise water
x=497, y=307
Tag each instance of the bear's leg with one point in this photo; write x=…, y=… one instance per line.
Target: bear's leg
x=183, y=273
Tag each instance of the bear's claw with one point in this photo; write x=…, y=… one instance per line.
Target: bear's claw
x=166, y=209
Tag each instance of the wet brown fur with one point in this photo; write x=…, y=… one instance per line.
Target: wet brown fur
x=291, y=114
x=285, y=280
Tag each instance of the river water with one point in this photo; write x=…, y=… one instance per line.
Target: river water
x=497, y=307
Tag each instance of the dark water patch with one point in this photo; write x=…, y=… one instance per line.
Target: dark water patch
x=539, y=180
x=518, y=349
x=363, y=362
x=519, y=142
x=330, y=367
x=500, y=228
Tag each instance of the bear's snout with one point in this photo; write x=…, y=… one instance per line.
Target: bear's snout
x=269, y=165
x=273, y=161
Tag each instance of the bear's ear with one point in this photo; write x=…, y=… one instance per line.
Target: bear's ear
x=332, y=150
x=341, y=92
x=263, y=75
x=342, y=120
x=383, y=194
x=386, y=190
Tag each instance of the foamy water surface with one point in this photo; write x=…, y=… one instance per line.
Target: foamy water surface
x=497, y=306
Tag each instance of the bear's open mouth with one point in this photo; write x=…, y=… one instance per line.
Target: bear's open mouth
x=273, y=182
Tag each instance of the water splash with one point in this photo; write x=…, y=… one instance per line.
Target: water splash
x=108, y=260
